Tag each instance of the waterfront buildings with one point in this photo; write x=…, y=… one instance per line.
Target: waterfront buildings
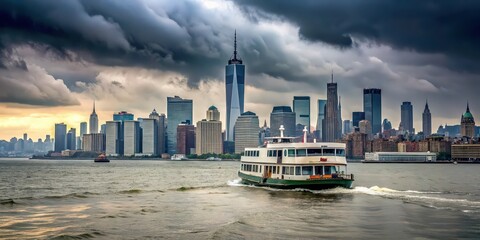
x=209, y=133
x=178, y=110
x=113, y=138
x=93, y=121
x=332, y=127
x=372, y=107
x=60, y=137
x=469, y=152
x=150, y=137
x=347, y=126
x=467, y=124
x=301, y=108
x=235, y=90
x=132, y=137
x=94, y=142
x=246, y=132
x=83, y=131
x=282, y=115
x=185, y=138
x=321, y=103
x=407, y=117
x=426, y=121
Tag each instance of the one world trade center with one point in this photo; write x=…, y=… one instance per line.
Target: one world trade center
x=235, y=90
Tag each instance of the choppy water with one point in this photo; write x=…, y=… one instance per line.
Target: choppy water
x=204, y=200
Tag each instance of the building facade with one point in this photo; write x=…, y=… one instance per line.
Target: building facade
x=132, y=138
x=178, y=110
x=60, y=137
x=372, y=107
x=161, y=131
x=407, y=117
x=356, y=118
x=185, y=138
x=150, y=136
x=235, y=90
x=282, y=115
x=321, y=103
x=113, y=145
x=209, y=133
x=94, y=142
x=301, y=108
x=247, y=130
x=72, y=139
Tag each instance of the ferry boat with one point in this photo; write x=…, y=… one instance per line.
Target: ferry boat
x=101, y=158
x=284, y=163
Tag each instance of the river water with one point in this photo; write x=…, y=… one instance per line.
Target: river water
x=47, y=199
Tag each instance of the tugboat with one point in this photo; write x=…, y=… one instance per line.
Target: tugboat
x=284, y=163
x=101, y=158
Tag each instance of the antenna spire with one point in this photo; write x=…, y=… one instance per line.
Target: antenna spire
x=332, y=75
x=93, y=105
x=235, y=46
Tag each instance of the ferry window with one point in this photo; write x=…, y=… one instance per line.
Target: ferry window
x=291, y=152
x=269, y=153
x=340, y=152
x=274, y=169
x=334, y=169
x=328, y=170
x=285, y=153
x=284, y=170
x=301, y=152
x=274, y=153
x=297, y=171
x=292, y=171
x=307, y=170
x=318, y=170
x=258, y=153
x=328, y=152
x=260, y=168
x=314, y=152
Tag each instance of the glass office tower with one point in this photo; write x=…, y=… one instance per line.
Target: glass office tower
x=301, y=107
x=372, y=107
x=178, y=110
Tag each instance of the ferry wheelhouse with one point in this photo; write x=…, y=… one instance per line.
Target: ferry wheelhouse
x=284, y=163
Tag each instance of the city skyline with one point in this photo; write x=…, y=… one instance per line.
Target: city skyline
x=66, y=77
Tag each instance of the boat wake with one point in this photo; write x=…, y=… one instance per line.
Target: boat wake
x=431, y=199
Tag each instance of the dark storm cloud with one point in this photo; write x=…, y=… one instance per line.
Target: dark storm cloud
x=447, y=27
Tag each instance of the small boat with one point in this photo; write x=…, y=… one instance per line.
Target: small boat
x=284, y=163
x=101, y=158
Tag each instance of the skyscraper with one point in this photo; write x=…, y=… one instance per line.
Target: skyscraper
x=72, y=139
x=347, y=126
x=235, y=90
x=83, y=131
x=209, y=133
x=467, y=124
x=282, y=115
x=112, y=138
x=94, y=142
x=301, y=107
x=372, y=107
x=178, y=110
x=357, y=117
x=123, y=116
x=407, y=117
x=132, y=137
x=60, y=137
x=246, y=131
x=387, y=125
x=161, y=128
x=427, y=121
x=93, y=121
x=332, y=124
x=150, y=137
x=320, y=118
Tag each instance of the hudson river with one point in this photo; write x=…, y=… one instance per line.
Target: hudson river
x=204, y=200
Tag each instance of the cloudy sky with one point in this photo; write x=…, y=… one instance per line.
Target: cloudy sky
x=57, y=56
